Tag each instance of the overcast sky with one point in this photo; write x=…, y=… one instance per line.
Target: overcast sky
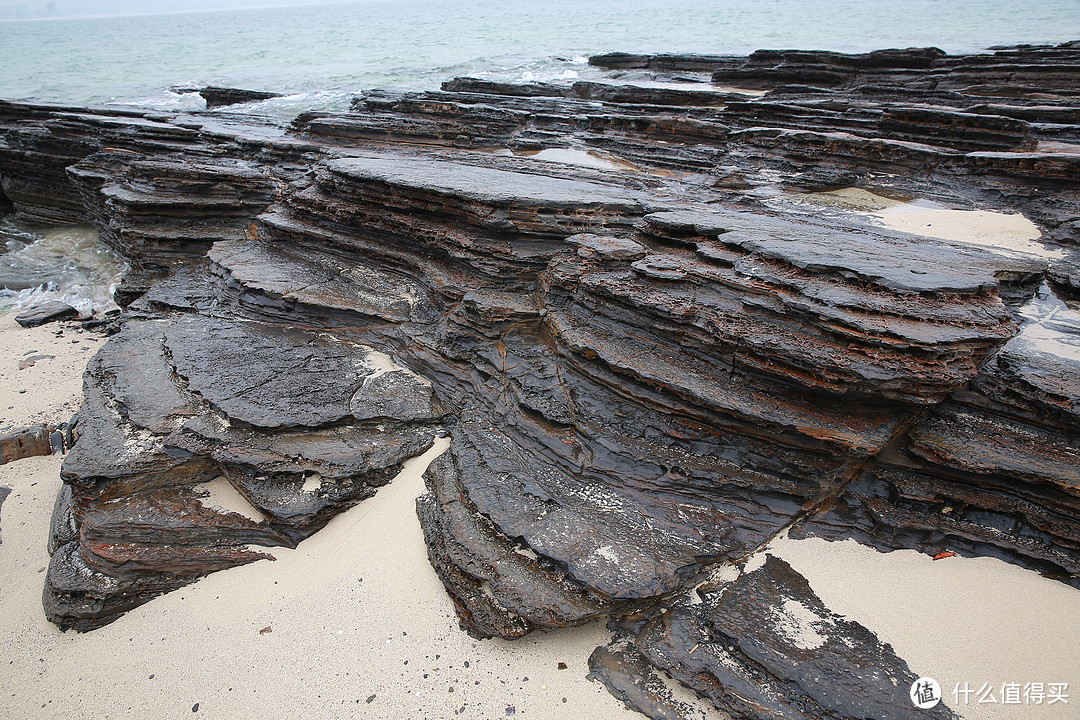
x=40, y=8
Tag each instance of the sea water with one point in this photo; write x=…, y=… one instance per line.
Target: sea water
x=320, y=55
x=67, y=265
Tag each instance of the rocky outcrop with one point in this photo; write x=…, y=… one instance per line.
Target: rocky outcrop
x=201, y=436
x=1008, y=72
x=912, y=122
x=23, y=442
x=764, y=645
x=45, y=313
x=992, y=470
x=650, y=352
x=222, y=96
x=39, y=143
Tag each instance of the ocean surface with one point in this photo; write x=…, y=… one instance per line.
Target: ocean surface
x=320, y=56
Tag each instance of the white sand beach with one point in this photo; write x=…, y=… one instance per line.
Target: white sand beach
x=41, y=370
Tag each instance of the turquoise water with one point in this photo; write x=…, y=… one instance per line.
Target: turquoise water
x=321, y=55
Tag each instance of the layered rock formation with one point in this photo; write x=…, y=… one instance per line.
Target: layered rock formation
x=649, y=358
x=24, y=442
x=763, y=645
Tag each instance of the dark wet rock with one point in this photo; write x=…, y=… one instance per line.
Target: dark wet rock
x=1047, y=70
x=491, y=87
x=311, y=382
x=690, y=94
x=991, y=470
x=533, y=205
x=765, y=646
x=571, y=432
x=880, y=128
x=627, y=675
x=498, y=586
x=222, y=96
x=476, y=119
x=274, y=282
x=38, y=143
x=825, y=69
x=160, y=210
x=665, y=62
x=24, y=442
x=1064, y=275
x=175, y=407
x=45, y=313
x=71, y=431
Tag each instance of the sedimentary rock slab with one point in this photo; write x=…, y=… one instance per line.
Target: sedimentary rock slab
x=277, y=282
x=993, y=469
x=200, y=436
x=24, y=442
x=222, y=96
x=765, y=646
x=45, y=313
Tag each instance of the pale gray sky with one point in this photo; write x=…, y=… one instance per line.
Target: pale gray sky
x=61, y=8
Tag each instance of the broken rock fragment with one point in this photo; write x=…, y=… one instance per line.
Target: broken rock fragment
x=200, y=437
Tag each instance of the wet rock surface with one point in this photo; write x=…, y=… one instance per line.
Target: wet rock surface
x=650, y=349
x=46, y=313
x=23, y=442
x=216, y=96
x=221, y=96
x=200, y=436
x=766, y=646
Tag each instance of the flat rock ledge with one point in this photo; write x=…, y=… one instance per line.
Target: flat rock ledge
x=652, y=345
